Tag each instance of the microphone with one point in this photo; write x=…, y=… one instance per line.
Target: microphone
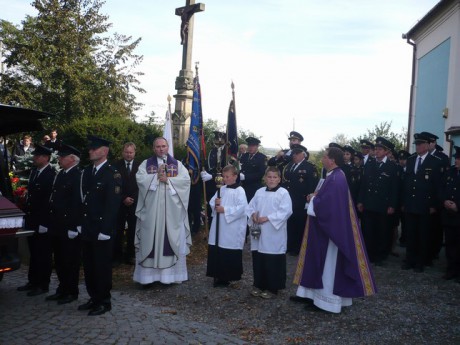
x=165, y=165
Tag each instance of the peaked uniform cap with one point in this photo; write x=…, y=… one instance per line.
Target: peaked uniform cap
x=252, y=141
x=65, y=150
x=96, y=142
x=432, y=137
x=348, y=148
x=297, y=148
x=420, y=138
x=335, y=145
x=295, y=135
x=42, y=150
x=366, y=143
x=385, y=143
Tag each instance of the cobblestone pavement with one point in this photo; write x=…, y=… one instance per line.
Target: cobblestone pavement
x=32, y=320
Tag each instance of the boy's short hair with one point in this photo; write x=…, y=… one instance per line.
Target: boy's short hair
x=273, y=169
x=230, y=168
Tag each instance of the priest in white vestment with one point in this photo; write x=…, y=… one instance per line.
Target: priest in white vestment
x=162, y=238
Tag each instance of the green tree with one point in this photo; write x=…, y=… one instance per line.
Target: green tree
x=60, y=62
x=116, y=129
x=382, y=130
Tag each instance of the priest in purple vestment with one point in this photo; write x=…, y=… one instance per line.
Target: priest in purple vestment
x=333, y=266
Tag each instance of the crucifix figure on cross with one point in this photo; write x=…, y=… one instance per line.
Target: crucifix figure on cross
x=185, y=14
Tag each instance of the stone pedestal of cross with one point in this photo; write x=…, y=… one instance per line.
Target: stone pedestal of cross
x=184, y=82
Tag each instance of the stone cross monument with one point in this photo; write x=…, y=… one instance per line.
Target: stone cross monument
x=184, y=82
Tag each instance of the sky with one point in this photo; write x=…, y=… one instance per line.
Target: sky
x=320, y=67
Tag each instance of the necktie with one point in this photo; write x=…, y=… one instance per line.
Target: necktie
x=419, y=164
x=294, y=166
x=128, y=168
x=33, y=175
x=94, y=171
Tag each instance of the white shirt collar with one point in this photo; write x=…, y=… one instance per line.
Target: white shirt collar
x=99, y=166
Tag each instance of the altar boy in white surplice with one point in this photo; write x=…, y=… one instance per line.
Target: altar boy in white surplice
x=226, y=240
x=270, y=208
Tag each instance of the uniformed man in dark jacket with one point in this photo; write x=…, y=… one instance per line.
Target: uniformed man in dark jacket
x=378, y=200
x=101, y=197
x=37, y=218
x=300, y=178
x=352, y=172
x=65, y=219
x=366, y=149
x=283, y=157
x=127, y=166
x=450, y=199
x=436, y=233
x=253, y=164
x=420, y=199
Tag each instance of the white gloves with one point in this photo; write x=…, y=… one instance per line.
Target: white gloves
x=102, y=237
x=42, y=229
x=242, y=176
x=205, y=176
x=72, y=234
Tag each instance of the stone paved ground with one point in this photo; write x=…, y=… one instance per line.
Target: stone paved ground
x=32, y=320
x=410, y=308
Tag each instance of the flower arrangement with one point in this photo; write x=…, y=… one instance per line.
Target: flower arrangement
x=19, y=191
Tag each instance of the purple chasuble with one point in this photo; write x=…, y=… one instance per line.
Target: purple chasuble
x=336, y=221
x=172, y=170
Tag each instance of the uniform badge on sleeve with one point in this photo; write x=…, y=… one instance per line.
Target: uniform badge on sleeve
x=117, y=189
x=117, y=175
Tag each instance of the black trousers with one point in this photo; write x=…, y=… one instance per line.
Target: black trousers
x=67, y=259
x=452, y=234
x=194, y=207
x=97, y=266
x=126, y=214
x=418, y=235
x=40, y=264
x=377, y=234
x=436, y=235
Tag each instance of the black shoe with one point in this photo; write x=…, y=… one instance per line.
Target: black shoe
x=27, y=287
x=130, y=261
x=67, y=299
x=221, y=283
x=54, y=297
x=298, y=299
x=449, y=275
x=36, y=292
x=418, y=269
x=100, y=309
x=87, y=306
x=406, y=266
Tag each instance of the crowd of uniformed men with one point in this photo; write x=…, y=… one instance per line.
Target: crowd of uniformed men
x=85, y=211
x=419, y=191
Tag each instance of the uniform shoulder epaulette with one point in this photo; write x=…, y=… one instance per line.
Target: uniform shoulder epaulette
x=311, y=163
